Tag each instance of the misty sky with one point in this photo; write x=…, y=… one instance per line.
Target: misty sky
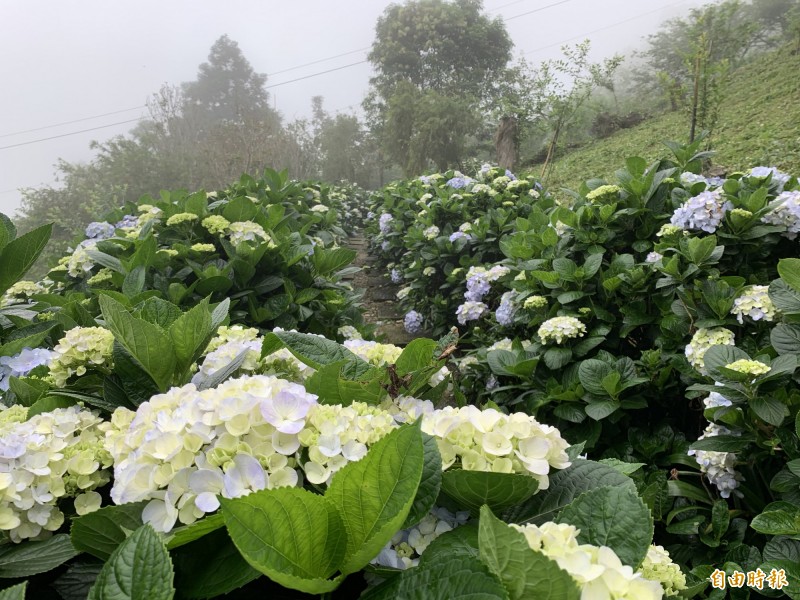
x=68, y=60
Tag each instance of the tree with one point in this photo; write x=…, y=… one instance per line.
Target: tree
x=227, y=87
x=442, y=59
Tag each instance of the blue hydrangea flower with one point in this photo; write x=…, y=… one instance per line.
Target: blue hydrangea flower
x=510, y=175
x=477, y=288
x=505, y=312
x=127, y=221
x=779, y=178
x=458, y=183
x=385, y=223
x=23, y=363
x=99, y=230
x=396, y=276
x=704, y=211
x=457, y=235
x=413, y=322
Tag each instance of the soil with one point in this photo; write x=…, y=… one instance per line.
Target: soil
x=379, y=299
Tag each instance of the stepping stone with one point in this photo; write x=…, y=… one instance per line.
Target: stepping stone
x=384, y=294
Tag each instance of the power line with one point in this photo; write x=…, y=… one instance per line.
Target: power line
x=274, y=85
x=116, y=112
x=535, y=10
x=603, y=28
x=496, y=8
x=316, y=62
x=53, y=137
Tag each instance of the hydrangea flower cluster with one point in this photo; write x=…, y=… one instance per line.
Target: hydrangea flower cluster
x=534, y=302
x=81, y=347
x=704, y=212
x=21, y=291
x=749, y=367
x=603, y=192
x=179, y=218
x=597, y=569
x=785, y=212
x=653, y=257
x=127, y=222
x=349, y=332
x=658, y=566
x=431, y=233
x=203, y=247
x=396, y=275
x=754, y=302
x=459, y=182
x=183, y=448
x=79, y=263
x=336, y=435
x=559, y=329
x=459, y=235
x=470, y=311
x=779, y=178
x=373, y=352
x=702, y=340
x=246, y=231
x=22, y=363
x=405, y=548
x=385, y=223
x=99, y=230
x=689, y=179
x=216, y=224
x=413, y=322
x=103, y=275
x=505, y=312
x=719, y=466
x=488, y=440
x=226, y=346
x=53, y=455
x=479, y=278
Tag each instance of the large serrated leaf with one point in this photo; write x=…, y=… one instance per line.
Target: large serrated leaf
x=19, y=255
x=313, y=350
x=15, y=592
x=79, y=578
x=295, y=537
x=615, y=517
x=188, y=335
x=524, y=572
x=455, y=578
x=430, y=482
x=189, y=533
x=147, y=343
x=31, y=558
x=473, y=489
x=139, y=569
x=374, y=495
x=211, y=566
x=564, y=487
x=101, y=532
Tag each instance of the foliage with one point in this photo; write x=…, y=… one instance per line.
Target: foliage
x=605, y=316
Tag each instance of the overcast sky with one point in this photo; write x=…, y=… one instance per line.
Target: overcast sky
x=65, y=60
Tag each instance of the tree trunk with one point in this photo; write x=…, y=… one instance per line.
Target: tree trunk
x=506, y=142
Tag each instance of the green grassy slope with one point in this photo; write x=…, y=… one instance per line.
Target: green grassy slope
x=759, y=124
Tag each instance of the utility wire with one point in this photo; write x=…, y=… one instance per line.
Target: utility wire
x=535, y=10
x=316, y=62
x=53, y=137
x=116, y=112
x=603, y=28
x=274, y=85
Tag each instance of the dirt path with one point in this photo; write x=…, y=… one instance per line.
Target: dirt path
x=379, y=300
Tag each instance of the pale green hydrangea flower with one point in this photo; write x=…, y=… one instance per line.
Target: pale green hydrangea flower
x=534, y=302
x=702, y=340
x=658, y=566
x=81, y=347
x=748, y=367
x=216, y=224
x=181, y=218
x=559, y=329
x=602, y=192
x=203, y=247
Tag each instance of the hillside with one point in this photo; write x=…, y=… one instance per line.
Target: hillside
x=759, y=125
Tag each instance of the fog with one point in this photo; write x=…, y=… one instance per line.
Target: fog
x=72, y=61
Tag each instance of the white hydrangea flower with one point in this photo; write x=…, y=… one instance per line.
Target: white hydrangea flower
x=719, y=466
x=754, y=302
x=246, y=231
x=470, y=311
x=349, y=332
x=21, y=291
x=785, y=212
x=79, y=262
x=405, y=548
x=53, y=455
x=658, y=566
x=559, y=329
x=182, y=447
x=81, y=347
x=431, y=232
x=373, y=352
x=597, y=570
x=702, y=340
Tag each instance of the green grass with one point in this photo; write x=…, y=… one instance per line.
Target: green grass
x=759, y=124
